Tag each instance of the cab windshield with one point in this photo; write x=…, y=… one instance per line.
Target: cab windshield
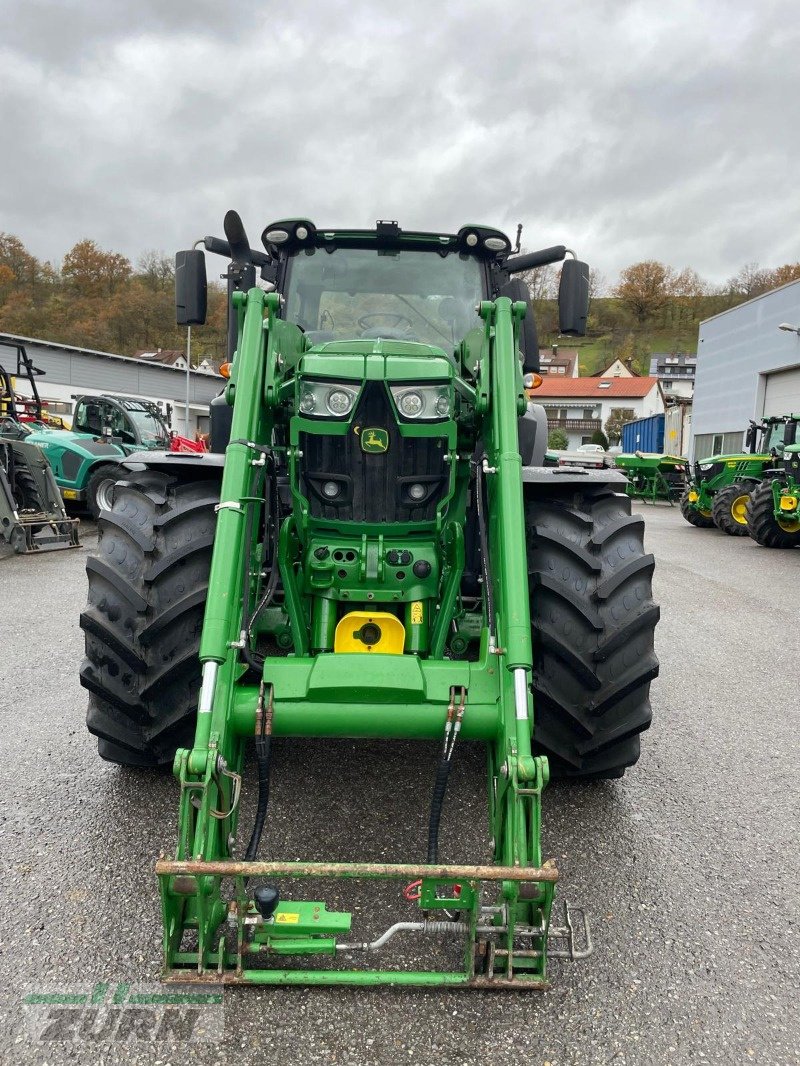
x=150, y=429
x=773, y=438
x=355, y=293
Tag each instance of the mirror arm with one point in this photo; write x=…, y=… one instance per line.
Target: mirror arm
x=543, y=257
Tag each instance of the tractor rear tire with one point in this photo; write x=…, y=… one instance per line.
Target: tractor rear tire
x=693, y=516
x=592, y=617
x=147, y=591
x=730, y=508
x=763, y=526
x=100, y=487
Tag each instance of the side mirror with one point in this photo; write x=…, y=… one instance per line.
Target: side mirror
x=750, y=438
x=573, y=298
x=191, y=288
x=516, y=289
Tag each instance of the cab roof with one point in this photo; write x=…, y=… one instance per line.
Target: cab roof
x=292, y=235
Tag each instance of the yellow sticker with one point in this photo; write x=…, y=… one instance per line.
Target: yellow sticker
x=416, y=613
x=69, y=494
x=287, y=918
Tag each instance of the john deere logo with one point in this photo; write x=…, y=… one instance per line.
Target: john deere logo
x=374, y=440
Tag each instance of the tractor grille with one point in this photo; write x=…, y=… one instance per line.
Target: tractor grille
x=373, y=487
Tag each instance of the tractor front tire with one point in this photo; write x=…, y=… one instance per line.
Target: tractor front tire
x=764, y=527
x=592, y=618
x=147, y=590
x=730, y=508
x=693, y=516
x=100, y=487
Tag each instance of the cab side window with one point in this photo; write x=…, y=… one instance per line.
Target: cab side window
x=88, y=419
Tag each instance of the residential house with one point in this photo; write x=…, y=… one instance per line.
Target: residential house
x=581, y=406
x=175, y=358
x=675, y=372
x=557, y=360
x=617, y=369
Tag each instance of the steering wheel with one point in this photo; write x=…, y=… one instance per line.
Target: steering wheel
x=396, y=321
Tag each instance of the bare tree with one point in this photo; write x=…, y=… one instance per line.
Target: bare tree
x=751, y=280
x=542, y=282
x=157, y=270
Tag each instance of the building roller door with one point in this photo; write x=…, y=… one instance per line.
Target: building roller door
x=782, y=394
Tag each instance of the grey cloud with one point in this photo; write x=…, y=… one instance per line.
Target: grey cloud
x=629, y=130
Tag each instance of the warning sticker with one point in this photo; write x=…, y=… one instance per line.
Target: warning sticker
x=287, y=917
x=416, y=613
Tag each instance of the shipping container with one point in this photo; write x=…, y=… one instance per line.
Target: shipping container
x=674, y=429
x=644, y=435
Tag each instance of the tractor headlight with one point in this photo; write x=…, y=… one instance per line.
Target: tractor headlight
x=422, y=402
x=327, y=399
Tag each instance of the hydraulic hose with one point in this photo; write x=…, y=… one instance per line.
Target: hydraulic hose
x=246, y=564
x=263, y=761
x=477, y=467
x=437, y=802
x=255, y=661
x=452, y=728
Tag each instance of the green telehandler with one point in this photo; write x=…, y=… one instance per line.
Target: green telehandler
x=86, y=459
x=374, y=549
x=773, y=509
x=720, y=485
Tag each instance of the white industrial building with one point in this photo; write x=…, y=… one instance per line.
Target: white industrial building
x=71, y=371
x=748, y=367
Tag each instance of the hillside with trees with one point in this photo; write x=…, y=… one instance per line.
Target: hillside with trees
x=99, y=299
x=650, y=308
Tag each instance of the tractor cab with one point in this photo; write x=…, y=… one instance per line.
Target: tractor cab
x=122, y=420
x=766, y=437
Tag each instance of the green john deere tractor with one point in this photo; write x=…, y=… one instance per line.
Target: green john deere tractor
x=718, y=491
x=773, y=509
x=374, y=550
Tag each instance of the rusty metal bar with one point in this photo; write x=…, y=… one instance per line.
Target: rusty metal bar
x=347, y=977
x=235, y=868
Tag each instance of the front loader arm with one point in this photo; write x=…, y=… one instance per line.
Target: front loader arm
x=502, y=467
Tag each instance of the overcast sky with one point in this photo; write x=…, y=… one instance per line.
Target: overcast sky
x=665, y=130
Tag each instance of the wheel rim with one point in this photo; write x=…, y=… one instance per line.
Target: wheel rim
x=103, y=495
x=739, y=509
x=705, y=514
x=789, y=525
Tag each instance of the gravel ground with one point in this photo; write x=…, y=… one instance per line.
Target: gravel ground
x=688, y=867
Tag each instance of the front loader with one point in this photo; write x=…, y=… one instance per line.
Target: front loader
x=32, y=514
x=379, y=553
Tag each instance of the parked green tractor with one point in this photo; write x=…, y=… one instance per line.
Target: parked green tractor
x=773, y=509
x=718, y=492
x=379, y=553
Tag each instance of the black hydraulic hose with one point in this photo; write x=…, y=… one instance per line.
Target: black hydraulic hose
x=263, y=762
x=269, y=545
x=437, y=802
x=477, y=466
x=250, y=657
